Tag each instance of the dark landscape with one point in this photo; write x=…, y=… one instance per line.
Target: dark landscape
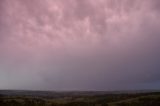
x=81, y=98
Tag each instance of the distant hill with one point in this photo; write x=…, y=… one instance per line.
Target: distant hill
x=79, y=98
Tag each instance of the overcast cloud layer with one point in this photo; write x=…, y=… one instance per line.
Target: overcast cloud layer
x=79, y=44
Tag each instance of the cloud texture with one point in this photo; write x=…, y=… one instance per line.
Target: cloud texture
x=79, y=44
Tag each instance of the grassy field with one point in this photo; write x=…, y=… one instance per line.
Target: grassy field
x=32, y=98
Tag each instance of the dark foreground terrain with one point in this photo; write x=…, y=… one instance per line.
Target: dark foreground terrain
x=42, y=98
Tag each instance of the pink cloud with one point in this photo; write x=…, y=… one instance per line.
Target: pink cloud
x=66, y=42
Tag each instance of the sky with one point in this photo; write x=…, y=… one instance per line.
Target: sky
x=79, y=44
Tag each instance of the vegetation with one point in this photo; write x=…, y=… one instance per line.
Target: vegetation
x=131, y=99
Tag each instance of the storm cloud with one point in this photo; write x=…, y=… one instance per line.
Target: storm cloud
x=79, y=44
